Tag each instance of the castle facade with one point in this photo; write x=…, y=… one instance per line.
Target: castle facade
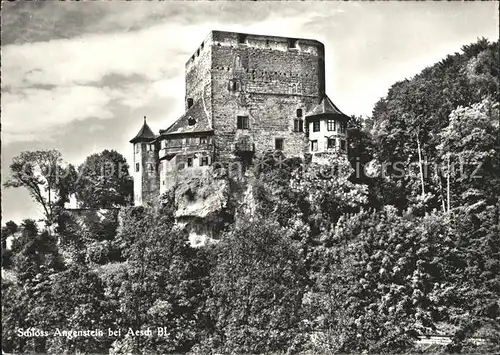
x=245, y=94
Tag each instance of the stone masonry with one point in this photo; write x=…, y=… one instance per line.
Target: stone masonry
x=245, y=94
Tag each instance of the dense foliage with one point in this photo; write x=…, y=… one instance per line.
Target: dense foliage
x=351, y=256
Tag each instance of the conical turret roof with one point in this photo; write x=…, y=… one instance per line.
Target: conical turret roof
x=326, y=107
x=145, y=134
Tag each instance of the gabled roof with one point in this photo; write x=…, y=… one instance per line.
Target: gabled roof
x=145, y=134
x=326, y=107
x=194, y=120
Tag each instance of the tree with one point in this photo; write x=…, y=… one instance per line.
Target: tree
x=47, y=178
x=163, y=284
x=104, y=181
x=257, y=286
x=469, y=155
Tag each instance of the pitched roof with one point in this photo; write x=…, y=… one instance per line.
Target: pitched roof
x=326, y=107
x=195, y=119
x=145, y=134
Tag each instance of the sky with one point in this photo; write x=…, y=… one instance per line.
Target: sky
x=80, y=76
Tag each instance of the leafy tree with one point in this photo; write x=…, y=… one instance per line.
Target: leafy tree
x=104, y=181
x=47, y=178
x=469, y=155
x=257, y=288
x=164, y=283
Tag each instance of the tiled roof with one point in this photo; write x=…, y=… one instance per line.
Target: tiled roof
x=194, y=120
x=145, y=134
x=325, y=107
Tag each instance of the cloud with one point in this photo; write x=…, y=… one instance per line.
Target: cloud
x=49, y=84
x=36, y=114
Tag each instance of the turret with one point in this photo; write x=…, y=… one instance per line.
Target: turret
x=145, y=167
x=327, y=128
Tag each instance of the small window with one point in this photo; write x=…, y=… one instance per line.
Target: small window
x=191, y=121
x=331, y=125
x=233, y=85
x=180, y=166
x=189, y=102
x=242, y=38
x=203, y=140
x=151, y=147
x=137, y=148
x=316, y=126
x=151, y=167
x=242, y=122
x=292, y=43
x=298, y=125
x=314, y=145
x=299, y=112
x=203, y=161
x=343, y=145
x=331, y=143
x=189, y=162
x=137, y=166
x=278, y=144
x=343, y=127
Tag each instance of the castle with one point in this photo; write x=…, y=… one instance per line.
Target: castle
x=245, y=94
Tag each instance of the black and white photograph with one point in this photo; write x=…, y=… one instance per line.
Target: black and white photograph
x=250, y=177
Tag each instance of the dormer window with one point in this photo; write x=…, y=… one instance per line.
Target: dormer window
x=191, y=121
x=189, y=102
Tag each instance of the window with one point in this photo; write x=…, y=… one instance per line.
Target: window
x=343, y=145
x=278, y=144
x=299, y=112
x=189, y=102
x=203, y=140
x=137, y=167
x=292, y=43
x=298, y=125
x=191, y=121
x=242, y=122
x=234, y=85
x=151, y=167
x=343, y=127
x=330, y=125
x=331, y=143
x=151, y=147
x=316, y=126
x=189, y=162
x=242, y=38
x=314, y=145
x=137, y=148
x=203, y=161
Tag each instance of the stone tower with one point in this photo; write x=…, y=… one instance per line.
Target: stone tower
x=255, y=90
x=245, y=94
x=146, y=179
